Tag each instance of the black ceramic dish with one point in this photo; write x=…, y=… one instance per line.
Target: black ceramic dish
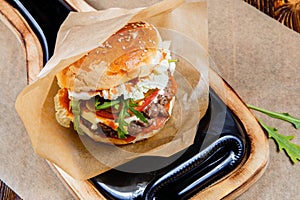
x=197, y=167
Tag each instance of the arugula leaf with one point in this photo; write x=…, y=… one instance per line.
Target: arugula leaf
x=122, y=131
x=75, y=104
x=128, y=104
x=138, y=114
x=132, y=103
x=283, y=116
x=105, y=105
x=283, y=142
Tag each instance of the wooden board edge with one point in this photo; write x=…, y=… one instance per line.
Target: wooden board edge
x=79, y=5
x=33, y=50
x=34, y=63
x=81, y=189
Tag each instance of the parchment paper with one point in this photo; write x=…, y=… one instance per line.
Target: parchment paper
x=82, y=32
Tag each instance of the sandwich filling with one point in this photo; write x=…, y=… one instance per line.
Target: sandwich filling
x=139, y=106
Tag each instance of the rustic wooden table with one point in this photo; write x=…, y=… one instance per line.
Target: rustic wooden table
x=6, y=193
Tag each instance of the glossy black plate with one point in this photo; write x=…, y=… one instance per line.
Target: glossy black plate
x=219, y=147
x=197, y=167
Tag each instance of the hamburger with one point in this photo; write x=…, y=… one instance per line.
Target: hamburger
x=122, y=91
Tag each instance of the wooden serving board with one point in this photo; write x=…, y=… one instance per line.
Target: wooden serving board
x=31, y=44
x=228, y=188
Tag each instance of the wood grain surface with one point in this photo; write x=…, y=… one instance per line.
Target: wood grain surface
x=33, y=50
x=20, y=168
x=6, y=193
x=286, y=12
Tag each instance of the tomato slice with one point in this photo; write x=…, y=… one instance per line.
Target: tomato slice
x=147, y=100
x=105, y=114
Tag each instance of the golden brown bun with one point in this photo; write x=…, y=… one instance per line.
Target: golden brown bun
x=62, y=104
x=125, y=55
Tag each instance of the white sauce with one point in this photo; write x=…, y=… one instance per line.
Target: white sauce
x=157, y=79
x=79, y=95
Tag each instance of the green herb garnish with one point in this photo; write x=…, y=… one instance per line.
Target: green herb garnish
x=75, y=104
x=122, y=124
x=137, y=113
x=283, y=142
x=105, y=105
x=124, y=107
x=127, y=105
x=283, y=116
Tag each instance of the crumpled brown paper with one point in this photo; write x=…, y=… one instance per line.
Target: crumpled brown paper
x=81, y=32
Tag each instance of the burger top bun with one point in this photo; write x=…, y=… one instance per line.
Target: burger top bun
x=125, y=55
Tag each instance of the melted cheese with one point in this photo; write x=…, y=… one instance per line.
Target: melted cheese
x=95, y=119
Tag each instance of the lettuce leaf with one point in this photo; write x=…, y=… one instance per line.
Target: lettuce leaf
x=75, y=105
